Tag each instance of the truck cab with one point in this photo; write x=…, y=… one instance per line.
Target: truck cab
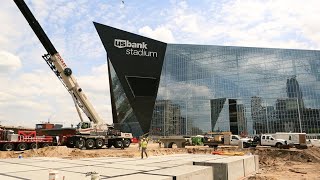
x=234, y=140
x=269, y=140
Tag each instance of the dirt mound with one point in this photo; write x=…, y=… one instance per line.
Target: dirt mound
x=272, y=156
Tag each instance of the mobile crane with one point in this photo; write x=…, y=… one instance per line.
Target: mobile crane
x=92, y=134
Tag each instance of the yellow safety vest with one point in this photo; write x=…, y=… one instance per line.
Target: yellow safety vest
x=144, y=144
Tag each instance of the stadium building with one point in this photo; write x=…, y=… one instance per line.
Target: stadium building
x=178, y=89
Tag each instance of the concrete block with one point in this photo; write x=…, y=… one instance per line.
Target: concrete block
x=249, y=165
x=256, y=160
x=142, y=177
x=186, y=172
x=231, y=168
x=200, y=161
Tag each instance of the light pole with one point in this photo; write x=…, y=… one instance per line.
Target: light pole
x=299, y=115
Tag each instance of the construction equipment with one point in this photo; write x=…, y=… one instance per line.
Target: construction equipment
x=93, y=134
x=23, y=140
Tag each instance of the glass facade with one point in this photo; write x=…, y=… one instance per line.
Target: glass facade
x=239, y=89
x=124, y=112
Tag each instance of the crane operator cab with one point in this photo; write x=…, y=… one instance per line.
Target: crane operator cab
x=84, y=125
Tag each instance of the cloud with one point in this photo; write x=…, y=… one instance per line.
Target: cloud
x=9, y=62
x=159, y=33
x=183, y=91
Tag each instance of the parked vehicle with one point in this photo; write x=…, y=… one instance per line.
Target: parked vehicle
x=23, y=140
x=227, y=139
x=269, y=140
x=292, y=138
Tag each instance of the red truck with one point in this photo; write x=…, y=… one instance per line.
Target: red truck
x=23, y=140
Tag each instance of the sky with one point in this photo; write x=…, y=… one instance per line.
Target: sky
x=30, y=93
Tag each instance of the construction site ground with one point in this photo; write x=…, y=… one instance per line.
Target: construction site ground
x=274, y=163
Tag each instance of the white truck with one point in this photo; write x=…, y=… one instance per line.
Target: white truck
x=292, y=138
x=234, y=140
x=226, y=139
x=269, y=140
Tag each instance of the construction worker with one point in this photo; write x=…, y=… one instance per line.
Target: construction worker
x=144, y=144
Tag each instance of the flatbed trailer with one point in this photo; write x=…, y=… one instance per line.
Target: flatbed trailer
x=23, y=140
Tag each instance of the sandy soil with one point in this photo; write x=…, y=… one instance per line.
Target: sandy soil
x=274, y=163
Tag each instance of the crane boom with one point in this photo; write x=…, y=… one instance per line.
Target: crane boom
x=59, y=67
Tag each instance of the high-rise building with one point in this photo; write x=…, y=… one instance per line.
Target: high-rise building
x=179, y=89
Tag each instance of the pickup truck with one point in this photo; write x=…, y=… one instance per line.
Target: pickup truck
x=269, y=140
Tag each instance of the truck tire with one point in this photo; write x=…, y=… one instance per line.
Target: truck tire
x=90, y=144
x=278, y=145
x=33, y=146
x=22, y=146
x=70, y=143
x=126, y=143
x=45, y=145
x=99, y=143
x=8, y=147
x=117, y=144
x=80, y=143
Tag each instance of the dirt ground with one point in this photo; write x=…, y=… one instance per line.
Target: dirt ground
x=274, y=163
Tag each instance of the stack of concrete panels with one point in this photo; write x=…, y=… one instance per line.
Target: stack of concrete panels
x=170, y=167
x=232, y=167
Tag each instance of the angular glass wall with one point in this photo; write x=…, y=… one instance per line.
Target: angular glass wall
x=265, y=90
x=126, y=120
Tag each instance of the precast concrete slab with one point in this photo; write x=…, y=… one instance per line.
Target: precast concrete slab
x=143, y=161
x=78, y=162
x=172, y=166
x=44, y=175
x=159, y=165
x=49, y=164
x=256, y=162
x=103, y=171
x=186, y=172
x=18, y=168
x=110, y=160
x=249, y=165
x=178, y=162
x=8, y=177
x=129, y=167
x=142, y=177
x=232, y=168
x=17, y=160
x=201, y=160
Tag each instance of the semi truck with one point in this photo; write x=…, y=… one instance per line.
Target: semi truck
x=22, y=140
x=93, y=133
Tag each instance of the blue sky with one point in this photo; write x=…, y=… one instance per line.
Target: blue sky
x=30, y=93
